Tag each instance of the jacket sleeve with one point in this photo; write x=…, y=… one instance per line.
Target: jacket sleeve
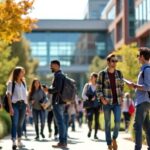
x=84, y=97
x=99, y=90
x=58, y=85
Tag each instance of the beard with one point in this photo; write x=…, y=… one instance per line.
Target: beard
x=53, y=70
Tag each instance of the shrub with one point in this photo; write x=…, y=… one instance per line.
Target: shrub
x=5, y=123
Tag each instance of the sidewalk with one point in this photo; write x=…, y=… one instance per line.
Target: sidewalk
x=78, y=141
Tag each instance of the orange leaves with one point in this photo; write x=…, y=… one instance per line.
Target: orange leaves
x=14, y=19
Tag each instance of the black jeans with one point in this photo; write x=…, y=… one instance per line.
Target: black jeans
x=93, y=112
x=50, y=118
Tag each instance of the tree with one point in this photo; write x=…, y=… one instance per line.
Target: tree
x=6, y=65
x=14, y=19
x=129, y=63
x=22, y=50
x=97, y=64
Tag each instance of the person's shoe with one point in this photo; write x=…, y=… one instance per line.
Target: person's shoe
x=36, y=138
x=114, y=144
x=89, y=134
x=60, y=145
x=14, y=147
x=110, y=147
x=43, y=136
x=95, y=137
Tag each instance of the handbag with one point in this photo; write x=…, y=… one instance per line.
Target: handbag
x=88, y=104
x=131, y=109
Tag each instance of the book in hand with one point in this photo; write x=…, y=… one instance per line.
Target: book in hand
x=127, y=81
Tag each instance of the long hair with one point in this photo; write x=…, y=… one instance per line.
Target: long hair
x=32, y=89
x=15, y=74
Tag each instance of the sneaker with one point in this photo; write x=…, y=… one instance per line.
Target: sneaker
x=60, y=145
x=55, y=138
x=14, y=147
x=43, y=136
x=95, y=137
x=114, y=144
x=89, y=134
x=36, y=138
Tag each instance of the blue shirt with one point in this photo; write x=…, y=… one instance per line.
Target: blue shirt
x=142, y=96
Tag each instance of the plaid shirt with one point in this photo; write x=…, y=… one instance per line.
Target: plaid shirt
x=106, y=91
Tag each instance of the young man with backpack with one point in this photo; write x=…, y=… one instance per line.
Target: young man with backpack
x=110, y=92
x=142, y=100
x=58, y=103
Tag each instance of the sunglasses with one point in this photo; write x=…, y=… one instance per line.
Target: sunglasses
x=114, y=61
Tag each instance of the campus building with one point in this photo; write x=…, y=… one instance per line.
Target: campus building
x=107, y=25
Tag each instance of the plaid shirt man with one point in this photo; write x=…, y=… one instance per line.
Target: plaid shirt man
x=104, y=89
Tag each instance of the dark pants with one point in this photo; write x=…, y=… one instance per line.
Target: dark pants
x=142, y=119
x=50, y=118
x=93, y=112
x=127, y=117
x=36, y=115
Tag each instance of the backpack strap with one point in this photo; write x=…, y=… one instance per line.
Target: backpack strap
x=143, y=77
x=13, y=88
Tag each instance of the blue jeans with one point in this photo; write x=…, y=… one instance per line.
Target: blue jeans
x=142, y=119
x=58, y=110
x=17, y=119
x=116, y=109
x=36, y=115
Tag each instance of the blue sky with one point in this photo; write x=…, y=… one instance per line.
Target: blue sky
x=59, y=9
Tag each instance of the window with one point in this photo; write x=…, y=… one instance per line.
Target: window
x=119, y=31
x=111, y=14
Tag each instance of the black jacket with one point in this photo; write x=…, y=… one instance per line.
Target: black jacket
x=57, y=87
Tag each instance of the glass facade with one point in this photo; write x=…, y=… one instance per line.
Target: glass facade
x=119, y=6
x=142, y=13
x=131, y=18
x=70, y=48
x=112, y=13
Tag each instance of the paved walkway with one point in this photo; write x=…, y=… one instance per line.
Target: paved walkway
x=78, y=141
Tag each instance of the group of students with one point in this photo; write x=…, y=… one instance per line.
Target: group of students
x=107, y=88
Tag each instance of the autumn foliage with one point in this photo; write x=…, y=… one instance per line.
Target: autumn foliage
x=14, y=19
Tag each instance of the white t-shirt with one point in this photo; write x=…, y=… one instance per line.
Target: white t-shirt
x=20, y=92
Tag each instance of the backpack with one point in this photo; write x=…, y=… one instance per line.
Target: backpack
x=69, y=90
x=5, y=100
x=143, y=77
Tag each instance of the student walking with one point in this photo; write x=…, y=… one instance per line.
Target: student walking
x=36, y=98
x=110, y=92
x=127, y=102
x=92, y=112
x=142, y=100
x=17, y=99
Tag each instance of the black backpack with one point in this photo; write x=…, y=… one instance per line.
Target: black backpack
x=5, y=100
x=143, y=77
x=69, y=90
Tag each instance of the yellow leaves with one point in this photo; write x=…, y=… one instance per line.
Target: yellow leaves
x=14, y=19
